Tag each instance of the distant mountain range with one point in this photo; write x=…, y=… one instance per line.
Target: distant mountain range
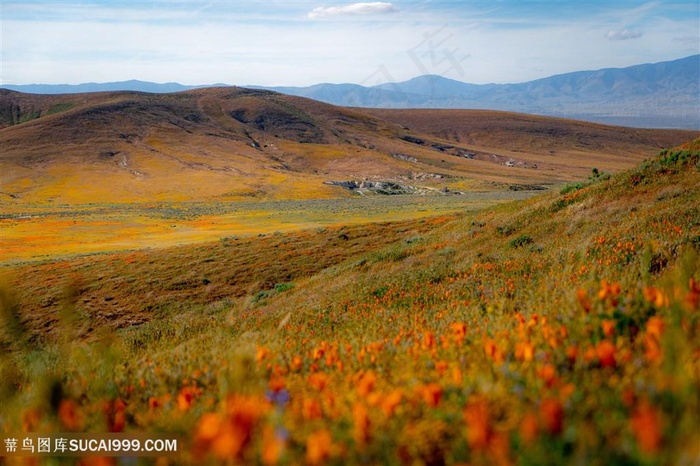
x=662, y=95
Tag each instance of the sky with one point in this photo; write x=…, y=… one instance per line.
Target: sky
x=300, y=43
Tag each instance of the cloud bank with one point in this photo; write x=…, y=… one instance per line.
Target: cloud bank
x=623, y=34
x=353, y=9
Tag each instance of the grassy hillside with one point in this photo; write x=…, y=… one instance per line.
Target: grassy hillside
x=563, y=329
x=235, y=144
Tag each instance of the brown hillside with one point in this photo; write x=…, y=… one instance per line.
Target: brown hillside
x=235, y=143
x=537, y=138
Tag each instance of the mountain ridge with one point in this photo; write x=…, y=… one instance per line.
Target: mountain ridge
x=238, y=143
x=664, y=94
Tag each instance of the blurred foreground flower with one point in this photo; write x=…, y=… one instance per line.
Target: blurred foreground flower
x=226, y=435
x=319, y=447
x=646, y=427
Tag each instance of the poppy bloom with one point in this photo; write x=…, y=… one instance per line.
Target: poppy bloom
x=459, y=330
x=583, y=300
x=228, y=434
x=366, y=383
x=428, y=341
x=318, y=380
x=646, y=427
x=548, y=374
x=361, y=423
x=609, y=290
x=552, y=415
x=606, y=354
x=311, y=409
x=186, y=397
x=69, y=416
x=116, y=416
x=655, y=327
x=608, y=327
x=524, y=351
x=529, y=428
x=272, y=446
x=478, y=420
x=431, y=394
x=261, y=354
x=319, y=447
x=492, y=350
x=30, y=420
x=655, y=296
x=390, y=402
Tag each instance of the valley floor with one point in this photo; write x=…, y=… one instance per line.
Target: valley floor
x=44, y=232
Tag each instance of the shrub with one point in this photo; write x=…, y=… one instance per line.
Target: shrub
x=569, y=187
x=520, y=241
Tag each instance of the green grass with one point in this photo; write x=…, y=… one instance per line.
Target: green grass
x=518, y=334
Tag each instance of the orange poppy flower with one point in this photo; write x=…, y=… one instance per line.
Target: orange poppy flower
x=311, y=409
x=552, y=415
x=492, y=350
x=272, y=446
x=646, y=427
x=608, y=327
x=319, y=447
x=261, y=354
x=366, y=383
x=692, y=299
x=361, y=424
x=318, y=380
x=115, y=413
x=459, y=330
x=583, y=300
x=606, y=354
x=390, y=402
x=655, y=327
x=524, y=351
x=186, y=397
x=655, y=296
x=297, y=363
x=430, y=393
x=529, y=428
x=548, y=374
x=69, y=416
x=478, y=420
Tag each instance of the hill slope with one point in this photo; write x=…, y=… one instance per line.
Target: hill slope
x=558, y=330
x=235, y=143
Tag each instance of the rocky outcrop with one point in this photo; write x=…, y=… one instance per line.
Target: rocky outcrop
x=388, y=188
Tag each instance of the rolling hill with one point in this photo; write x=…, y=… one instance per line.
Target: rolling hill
x=237, y=143
x=558, y=330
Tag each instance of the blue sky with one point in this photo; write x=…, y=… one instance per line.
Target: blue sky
x=306, y=42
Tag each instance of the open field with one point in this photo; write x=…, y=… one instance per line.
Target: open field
x=44, y=232
x=559, y=329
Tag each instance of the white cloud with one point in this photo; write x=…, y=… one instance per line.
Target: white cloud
x=623, y=34
x=252, y=43
x=353, y=9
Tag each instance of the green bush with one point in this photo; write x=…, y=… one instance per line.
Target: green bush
x=569, y=187
x=520, y=241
